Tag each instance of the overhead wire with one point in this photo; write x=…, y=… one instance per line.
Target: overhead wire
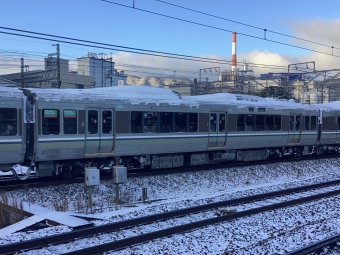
x=245, y=24
x=138, y=51
x=220, y=29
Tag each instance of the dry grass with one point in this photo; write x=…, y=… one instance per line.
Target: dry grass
x=11, y=210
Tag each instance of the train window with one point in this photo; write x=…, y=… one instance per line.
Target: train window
x=269, y=122
x=250, y=122
x=213, y=119
x=92, y=122
x=297, y=123
x=50, y=122
x=307, y=122
x=8, y=121
x=70, y=122
x=106, y=122
x=136, y=122
x=221, y=126
x=251, y=109
x=259, y=122
x=261, y=109
x=166, y=122
x=240, y=122
x=181, y=122
x=291, y=123
x=193, y=122
x=150, y=122
x=277, y=123
x=313, y=123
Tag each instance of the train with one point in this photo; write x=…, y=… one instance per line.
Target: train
x=59, y=132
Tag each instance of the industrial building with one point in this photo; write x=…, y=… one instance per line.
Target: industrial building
x=92, y=72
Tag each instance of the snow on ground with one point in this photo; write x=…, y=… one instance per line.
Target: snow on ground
x=277, y=231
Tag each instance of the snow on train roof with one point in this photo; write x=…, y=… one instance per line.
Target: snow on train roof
x=10, y=92
x=145, y=94
x=242, y=101
x=331, y=106
x=132, y=94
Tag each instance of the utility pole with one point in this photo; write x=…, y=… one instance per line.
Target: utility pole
x=22, y=73
x=111, y=72
x=58, y=65
x=102, y=71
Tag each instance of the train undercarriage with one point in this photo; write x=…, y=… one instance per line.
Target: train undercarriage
x=70, y=169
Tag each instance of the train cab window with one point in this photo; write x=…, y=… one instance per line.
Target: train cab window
x=181, y=122
x=92, y=122
x=107, y=122
x=250, y=122
x=8, y=121
x=166, y=122
x=193, y=122
x=70, y=122
x=221, y=125
x=277, y=123
x=260, y=122
x=150, y=122
x=50, y=122
x=136, y=122
x=297, y=123
x=313, y=123
x=269, y=122
x=213, y=119
x=240, y=122
x=307, y=122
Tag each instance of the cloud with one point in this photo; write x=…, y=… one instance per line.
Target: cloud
x=316, y=30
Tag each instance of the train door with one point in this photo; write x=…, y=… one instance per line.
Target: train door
x=294, y=131
x=99, y=131
x=217, y=130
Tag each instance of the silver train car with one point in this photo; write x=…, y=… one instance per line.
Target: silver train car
x=61, y=131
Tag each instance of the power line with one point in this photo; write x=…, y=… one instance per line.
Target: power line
x=244, y=24
x=134, y=50
x=221, y=29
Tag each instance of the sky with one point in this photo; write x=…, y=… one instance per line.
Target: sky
x=116, y=22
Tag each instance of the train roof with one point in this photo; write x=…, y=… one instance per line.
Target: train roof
x=128, y=94
x=10, y=92
x=151, y=95
x=244, y=101
x=331, y=106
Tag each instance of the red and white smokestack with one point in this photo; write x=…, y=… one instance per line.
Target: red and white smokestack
x=233, y=52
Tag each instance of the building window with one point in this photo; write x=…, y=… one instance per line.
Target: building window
x=50, y=122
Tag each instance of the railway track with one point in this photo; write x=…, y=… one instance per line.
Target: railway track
x=246, y=206
x=318, y=247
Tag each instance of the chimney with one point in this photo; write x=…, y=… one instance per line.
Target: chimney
x=233, y=52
